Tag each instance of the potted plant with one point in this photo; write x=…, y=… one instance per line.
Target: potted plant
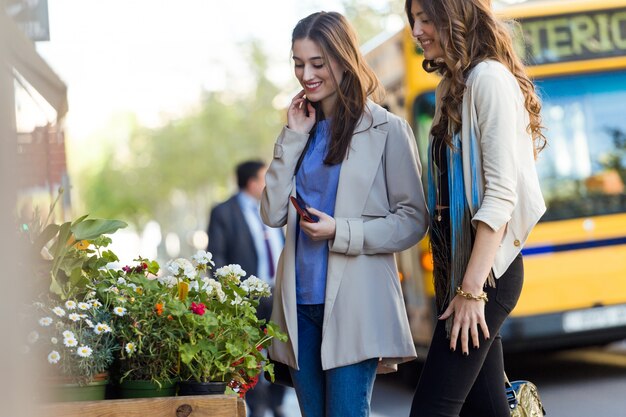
x=148, y=358
x=222, y=338
x=76, y=340
x=71, y=329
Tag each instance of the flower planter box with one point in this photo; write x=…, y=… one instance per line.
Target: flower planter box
x=192, y=406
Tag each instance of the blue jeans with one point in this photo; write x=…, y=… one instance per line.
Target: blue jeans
x=339, y=392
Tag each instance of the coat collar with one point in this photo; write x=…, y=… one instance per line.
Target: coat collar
x=373, y=116
x=361, y=163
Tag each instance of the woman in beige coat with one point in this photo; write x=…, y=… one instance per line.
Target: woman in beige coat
x=337, y=291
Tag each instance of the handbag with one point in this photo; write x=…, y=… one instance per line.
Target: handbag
x=282, y=376
x=523, y=399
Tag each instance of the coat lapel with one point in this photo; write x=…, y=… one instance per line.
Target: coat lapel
x=357, y=175
x=361, y=164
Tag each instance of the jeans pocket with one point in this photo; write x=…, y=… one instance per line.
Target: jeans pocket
x=509, y=285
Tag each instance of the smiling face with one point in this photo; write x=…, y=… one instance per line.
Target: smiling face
x=313, y=71
x=425, y=32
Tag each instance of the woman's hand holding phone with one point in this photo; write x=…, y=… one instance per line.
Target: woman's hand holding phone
x=301, y=114
x=316, y=224
x=323, y=229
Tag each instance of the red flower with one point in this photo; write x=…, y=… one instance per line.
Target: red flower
x=198, y=308
x=237, y=362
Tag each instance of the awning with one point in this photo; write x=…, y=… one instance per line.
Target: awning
x=23, y=56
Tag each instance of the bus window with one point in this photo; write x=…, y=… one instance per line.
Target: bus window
x=424, y=109
x=583, y=170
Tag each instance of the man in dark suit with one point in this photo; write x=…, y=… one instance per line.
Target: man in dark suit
x=238, y=236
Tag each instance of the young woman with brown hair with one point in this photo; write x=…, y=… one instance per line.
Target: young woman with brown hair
x=484, y=199
x=337, y=292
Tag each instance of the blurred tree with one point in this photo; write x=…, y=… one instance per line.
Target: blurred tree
x=185, y=165
x=369, y=20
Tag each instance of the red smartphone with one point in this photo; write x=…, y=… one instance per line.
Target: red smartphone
x=300, y=206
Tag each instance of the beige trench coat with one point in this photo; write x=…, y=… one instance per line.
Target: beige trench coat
x=379, y=210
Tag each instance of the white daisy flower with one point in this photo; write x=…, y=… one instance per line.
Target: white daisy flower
x=130, y=347
x=89, y=323
x=58, y=311
x=33, y=337
x=68, y=335
x=91, y=294
x=102, y=328
x=96, y=303
x=70, y=304
x=119, y=311
x=74, y=317
x=54, y=357
x=84, y=306
x=70, y=342
x=54, y=340
x=45, y=321
x=84, y=351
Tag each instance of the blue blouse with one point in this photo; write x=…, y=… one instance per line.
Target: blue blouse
x=316, y=184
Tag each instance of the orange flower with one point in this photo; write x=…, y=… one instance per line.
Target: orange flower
x=159, y=308
x=169, y=317
x=82, y=245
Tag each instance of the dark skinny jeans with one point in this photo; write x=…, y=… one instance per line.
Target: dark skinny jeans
x=453, y=385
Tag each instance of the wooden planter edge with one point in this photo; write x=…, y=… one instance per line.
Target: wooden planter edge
x=190, y=406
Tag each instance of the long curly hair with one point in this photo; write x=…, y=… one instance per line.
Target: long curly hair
x=470, y=33
x=337, y=40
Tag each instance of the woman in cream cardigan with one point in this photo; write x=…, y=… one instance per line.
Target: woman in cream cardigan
x=484, y=199
x=337, y=292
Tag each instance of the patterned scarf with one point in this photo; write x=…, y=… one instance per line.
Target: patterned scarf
x=451, y=262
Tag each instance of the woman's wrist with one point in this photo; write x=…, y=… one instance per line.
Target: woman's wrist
x=472, y=287
x=478, y=296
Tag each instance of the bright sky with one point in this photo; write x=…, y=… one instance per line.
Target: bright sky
x=155, y=57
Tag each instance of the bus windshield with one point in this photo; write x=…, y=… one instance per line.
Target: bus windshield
x=583, y=169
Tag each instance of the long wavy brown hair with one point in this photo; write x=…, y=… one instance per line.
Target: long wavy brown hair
x=337, y=40
x=470, y=33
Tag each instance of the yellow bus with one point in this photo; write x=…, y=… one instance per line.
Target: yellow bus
x=575, y=260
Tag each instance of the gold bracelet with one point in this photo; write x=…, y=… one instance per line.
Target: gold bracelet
x=468, y=295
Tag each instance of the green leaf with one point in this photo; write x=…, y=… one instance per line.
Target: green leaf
x=187, y=352
x=46, y=236
x=55, y=288
x=109, y=256
x=153, y=267
x=93, y=228
x=80, y=219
